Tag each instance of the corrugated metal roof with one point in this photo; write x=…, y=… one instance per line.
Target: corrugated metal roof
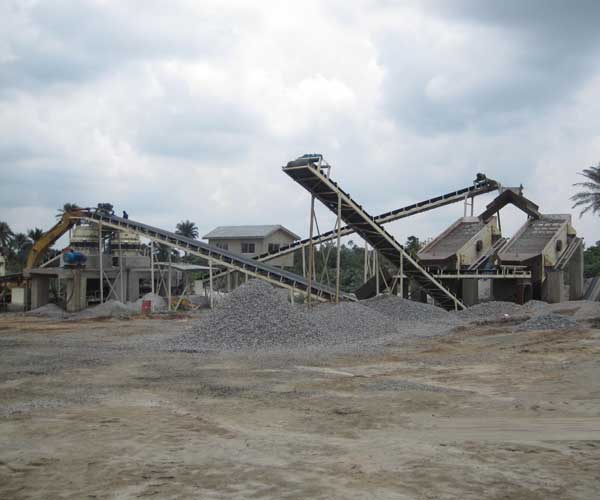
x=238, y=232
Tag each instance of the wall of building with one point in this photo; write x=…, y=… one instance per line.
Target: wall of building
x=260, y=246
x=2, y=266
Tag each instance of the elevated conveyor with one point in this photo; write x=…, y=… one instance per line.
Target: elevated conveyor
x=312, y=178
x=481, y=185
x=220, y=257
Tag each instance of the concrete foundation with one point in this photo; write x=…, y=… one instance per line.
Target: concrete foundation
x=555, y=288
x=470, y=292
x=76, y=292
x=575, y=275
x=40, y=286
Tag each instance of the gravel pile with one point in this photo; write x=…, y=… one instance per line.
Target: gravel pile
x=550, y=321
x=259, y=316
x=405, y=310
x=536, y=305
x=108, y=309
x=349, y=322
x=48, y=311
x=255, y=315
x=492, y=310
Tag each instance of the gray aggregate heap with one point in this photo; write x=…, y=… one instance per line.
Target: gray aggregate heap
x=255, y=315
x=492, y=310
x=405, y=310
x=258, y=316
x=551, y=321
x=351, y=322
x=110, y=308
x=48, y=311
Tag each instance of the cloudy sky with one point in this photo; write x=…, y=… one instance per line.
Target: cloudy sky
x=188, y=109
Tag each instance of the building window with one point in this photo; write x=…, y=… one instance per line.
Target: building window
x=247, y=247
x=222, y=246
x=273, y=247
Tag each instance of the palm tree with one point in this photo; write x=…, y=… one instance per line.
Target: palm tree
x=590, y=197
x=67, y=207
x=21, y=245
x=187, y=228
x=35, y=234
x=6, y=235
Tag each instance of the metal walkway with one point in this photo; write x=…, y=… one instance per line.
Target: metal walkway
x=312, y=178
x=232, y=261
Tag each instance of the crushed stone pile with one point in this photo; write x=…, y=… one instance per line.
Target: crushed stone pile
x=493, y=310
x=535, y=305
x=405, y=310
x=255, y=315
x=415, y=319
x=258, y=316
x=349, y=322
x=551, y=321
x=48, y=311
x=110, y=308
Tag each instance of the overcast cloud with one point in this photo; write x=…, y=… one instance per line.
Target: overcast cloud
x=186, y=109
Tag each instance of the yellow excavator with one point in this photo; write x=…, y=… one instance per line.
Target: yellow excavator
x=38, y=249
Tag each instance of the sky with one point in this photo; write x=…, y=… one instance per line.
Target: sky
x=187, y=110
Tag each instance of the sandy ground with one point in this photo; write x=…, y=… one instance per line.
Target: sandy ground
x=94, y=410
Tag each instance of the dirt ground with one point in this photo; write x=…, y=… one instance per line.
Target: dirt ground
x=95, y=409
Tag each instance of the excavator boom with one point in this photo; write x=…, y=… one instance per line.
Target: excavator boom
x=39, y=247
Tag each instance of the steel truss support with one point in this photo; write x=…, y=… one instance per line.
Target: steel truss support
x=233, y=262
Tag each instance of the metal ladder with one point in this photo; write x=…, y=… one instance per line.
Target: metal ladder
x=311, y=177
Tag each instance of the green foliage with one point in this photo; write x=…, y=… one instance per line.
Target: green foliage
x=35, y=234
x=591, y=261
x=589, y=198
x=67, y=207
x=412, y=245
x=6, y=236
x=187, y=228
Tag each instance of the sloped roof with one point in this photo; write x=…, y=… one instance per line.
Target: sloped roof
x=240, y=232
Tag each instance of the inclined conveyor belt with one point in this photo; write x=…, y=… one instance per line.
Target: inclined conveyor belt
x=328, y=192
x=219, y=256
x=479, y=187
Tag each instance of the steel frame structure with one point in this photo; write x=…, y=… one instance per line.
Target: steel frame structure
x=310, y=175
x=249, y=267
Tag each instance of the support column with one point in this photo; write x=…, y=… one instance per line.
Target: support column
x=75, y=292
x=401, y=275
x=338, y=257
x=152, y=264
x=169, y=279
x=376, y=264
x=310, y=250
x=121, y=276
x=101, y=262
x=366, y=263
x=210, y=280
x=40, y=285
